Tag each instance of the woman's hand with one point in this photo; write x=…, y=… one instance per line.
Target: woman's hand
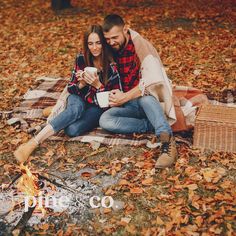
x=92, y=80
x=80, y=75
x=81, y=82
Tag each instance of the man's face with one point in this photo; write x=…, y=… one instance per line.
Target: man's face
x=115, y=37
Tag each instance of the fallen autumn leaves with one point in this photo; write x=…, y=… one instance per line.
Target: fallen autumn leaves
x=197, y=45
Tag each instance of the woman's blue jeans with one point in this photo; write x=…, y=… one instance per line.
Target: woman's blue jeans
x=140, y=115
x=78, y=118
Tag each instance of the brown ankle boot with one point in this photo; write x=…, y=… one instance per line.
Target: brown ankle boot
x=23, y=152
x=47, y=111
x=168, y=151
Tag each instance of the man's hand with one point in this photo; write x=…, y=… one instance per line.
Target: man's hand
x=116, y=98
x=92, y=79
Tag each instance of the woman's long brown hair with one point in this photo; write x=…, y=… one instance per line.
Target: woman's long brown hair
x=106, y=54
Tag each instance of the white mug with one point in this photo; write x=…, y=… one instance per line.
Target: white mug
x=103, y=99
x=91, y=70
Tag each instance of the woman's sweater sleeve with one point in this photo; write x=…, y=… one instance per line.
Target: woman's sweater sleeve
x=72, y=86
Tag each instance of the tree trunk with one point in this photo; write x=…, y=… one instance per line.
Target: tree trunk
x=60, y=4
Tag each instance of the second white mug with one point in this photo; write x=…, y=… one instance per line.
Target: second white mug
x=103, y=99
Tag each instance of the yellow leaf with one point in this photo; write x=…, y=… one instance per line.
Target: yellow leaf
x=196, y=205
x=139, y=164
x=110, y=192
x=125, y=220
x=16, y=232
x=226, y=184
x=8, y=167
x=81, y=165
x=44, y=226
x=192, y=186
x=213, y=175
x=113, y=172
x=123, y=182
x=50, y=153
x=147, y=181
x=69, y=160
x=159, y=221
x=131, y=229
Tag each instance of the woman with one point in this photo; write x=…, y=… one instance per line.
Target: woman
x=82, y=112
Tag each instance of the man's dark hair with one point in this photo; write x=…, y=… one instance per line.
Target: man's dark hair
x=111, y=21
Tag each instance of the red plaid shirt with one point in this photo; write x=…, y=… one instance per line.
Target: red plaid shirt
x=88, y=93
x=128, y=66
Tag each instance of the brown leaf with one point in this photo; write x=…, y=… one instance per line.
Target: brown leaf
x=44, y=226
x=131, y=229
x=147, y=181
x=86, y=174
x=199, y=220
x=227, y=184
x=113, y=172
x=192, y=186
x=213, y=174
x=125, y=220
x=106, y=210
x=110, y=192
x=123, y=182
x=136, y=190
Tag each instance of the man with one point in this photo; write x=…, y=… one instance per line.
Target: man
x=141, y=71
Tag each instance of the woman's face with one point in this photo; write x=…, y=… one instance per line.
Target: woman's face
x=94, y=44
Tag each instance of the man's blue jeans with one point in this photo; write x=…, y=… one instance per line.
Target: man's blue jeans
x=136, y=116
x=78, y=118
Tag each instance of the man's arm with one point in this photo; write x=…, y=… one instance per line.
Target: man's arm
x=118, y=98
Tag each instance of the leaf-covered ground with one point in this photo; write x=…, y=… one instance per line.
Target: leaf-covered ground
x=196, y=41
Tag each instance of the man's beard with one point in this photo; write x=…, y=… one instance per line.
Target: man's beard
x=121, y=46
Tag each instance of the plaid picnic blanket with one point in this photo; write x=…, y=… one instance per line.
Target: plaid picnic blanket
x=49, y=89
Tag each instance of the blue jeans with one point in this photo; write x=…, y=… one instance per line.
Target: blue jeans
x=140, y=115
x=78, y=118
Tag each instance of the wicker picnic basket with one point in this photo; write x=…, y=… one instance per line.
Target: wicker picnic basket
x=215, y=128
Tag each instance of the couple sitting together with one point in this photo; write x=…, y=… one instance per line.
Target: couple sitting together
x=140, y=95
